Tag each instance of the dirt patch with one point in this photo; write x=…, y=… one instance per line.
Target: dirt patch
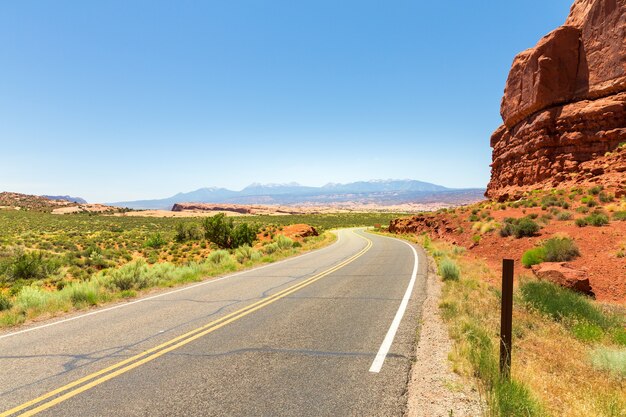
x=434, y=389
x=295, y=232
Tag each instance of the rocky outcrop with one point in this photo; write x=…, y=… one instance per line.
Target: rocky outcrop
x=212, y=207
x=564, y=102
x=239, y=209
x=435, y=226
x=564, y=275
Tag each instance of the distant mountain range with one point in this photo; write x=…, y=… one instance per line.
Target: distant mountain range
x=375, y=192
x=71, y=199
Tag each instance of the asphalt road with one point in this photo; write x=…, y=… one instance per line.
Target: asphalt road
x=295, y=338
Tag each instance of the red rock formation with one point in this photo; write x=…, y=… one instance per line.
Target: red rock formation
x=436, y=226
x=564, y=102
x=211, y=207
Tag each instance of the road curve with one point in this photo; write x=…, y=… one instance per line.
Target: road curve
x=304, y=337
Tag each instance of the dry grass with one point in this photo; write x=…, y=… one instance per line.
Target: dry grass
x=554, y=366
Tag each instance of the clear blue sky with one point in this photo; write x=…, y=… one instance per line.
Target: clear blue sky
x=119, y=100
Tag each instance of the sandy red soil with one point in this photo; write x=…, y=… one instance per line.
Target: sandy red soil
x=598, y=245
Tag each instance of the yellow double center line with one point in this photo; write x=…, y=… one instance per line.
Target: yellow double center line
x=68, y=391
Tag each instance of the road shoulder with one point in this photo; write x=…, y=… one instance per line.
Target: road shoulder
x=434, y=389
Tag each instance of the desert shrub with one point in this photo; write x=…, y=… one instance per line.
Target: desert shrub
x=620, y=215
x=83, y=293
x=508, y=229
x=5, y=303
x=519, y=227
x=132, y=276
x=564, y=215
x=597, y=219
x=610, y=360
x=218, y=257
x=458, y=250
x=218, y=229
x=32, y=298
x=582, y=209
x=589, y=201
x=606, y=198
x=221, y=230
x=552, y=201
x=169, y=274
x=244, y=253
x=283, y=242
x=526, y=227
x=581, y=222
x=155, y=241
x=31, y=265
x=271, y=248
x=186, y=232
x=244, y=234
x=449, y=270
x=560, y=249
x=596, y=190
x=533, y=257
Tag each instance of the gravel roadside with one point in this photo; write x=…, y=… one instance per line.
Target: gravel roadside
x=434, y=389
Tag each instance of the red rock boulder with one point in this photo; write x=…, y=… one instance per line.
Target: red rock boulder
x=562, y=274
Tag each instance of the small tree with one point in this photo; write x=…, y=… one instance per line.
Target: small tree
x=221, y=230
x=244, y=234
x=218, y=229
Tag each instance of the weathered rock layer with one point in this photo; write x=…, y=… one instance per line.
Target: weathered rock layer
x=564, y=102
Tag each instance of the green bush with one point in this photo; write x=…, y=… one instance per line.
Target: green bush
x=620, y=215
x=221, y=230
x=5, y=303
x=32, y=298
x=526, y=227
x=31, y=265
x=606, y=198
x=218, y=257
x=564, y=215
x=597, y=219
x=186, y=232
x=581, y=222
x=449, y=270
x=271, y=248
x=283, y=242
x=560, y=249
x=83, y=293
x=508, y=229
x=596, y=190
x=132, y=276
x=244, y=253
x=533, y=257
x=155, y=241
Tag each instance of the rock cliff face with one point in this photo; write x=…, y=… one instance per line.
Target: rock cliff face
x=564, y=104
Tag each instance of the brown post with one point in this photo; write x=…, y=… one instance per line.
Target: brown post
x=506, y=318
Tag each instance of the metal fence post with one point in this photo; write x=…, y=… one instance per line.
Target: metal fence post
x=506, y=318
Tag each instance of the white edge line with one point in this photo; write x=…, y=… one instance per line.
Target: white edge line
x=141, y=300
x=391, y=333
